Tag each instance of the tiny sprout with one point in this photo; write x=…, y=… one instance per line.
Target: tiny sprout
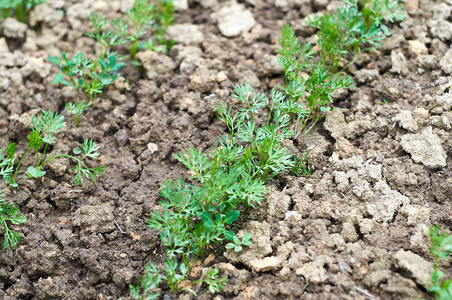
x=9, y=213
x=43, y=129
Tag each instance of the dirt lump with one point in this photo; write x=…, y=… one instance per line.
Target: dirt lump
x=414, y=264
x=425, y=148
x=234, y=19
x=96, y=219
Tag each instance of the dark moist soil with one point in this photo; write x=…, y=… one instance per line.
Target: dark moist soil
x=356, y=228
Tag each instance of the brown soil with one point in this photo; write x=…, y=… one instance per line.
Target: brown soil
x=356, y=228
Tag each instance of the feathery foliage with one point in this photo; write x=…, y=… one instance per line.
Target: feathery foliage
x=308, y=83
x=355, y=27
x=91, y=77
x=43, y=131
x=19, y=8
x=441, y=249
x=9, y=213
x=231, y=175
x=105, y=38
x=144, y=17
x=374, y=12
x=356, y=23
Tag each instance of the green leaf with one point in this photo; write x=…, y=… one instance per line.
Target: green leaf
x=231, y=217
x=55, y=60
x=183, y=268
x=32, y=172
x=58, y=78
x=9, y=212
x=207, y=218
x=246, y=237
x=385, y=30
x=44, y=126
x=90, y=149
x=35, y=139
x=77, y=150
x=441, y=243
x=229, y=235
x=230, y=246
x=12, y=183
x=11, y=150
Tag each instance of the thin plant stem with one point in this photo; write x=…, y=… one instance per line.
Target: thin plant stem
x=21, y=14
x=42, y=156
x=20, y=162
x=68, y=156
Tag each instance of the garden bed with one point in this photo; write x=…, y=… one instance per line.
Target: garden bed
x=355, y=228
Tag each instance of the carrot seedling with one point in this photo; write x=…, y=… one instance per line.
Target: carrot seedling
x=19, y=8
x=355, y=27
x=232, y=175
x=87, y=76
x=441, y=249
x=143, y=18
x=9, y=213
x=43, y=129
x=308, y=83
x=106, y=39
